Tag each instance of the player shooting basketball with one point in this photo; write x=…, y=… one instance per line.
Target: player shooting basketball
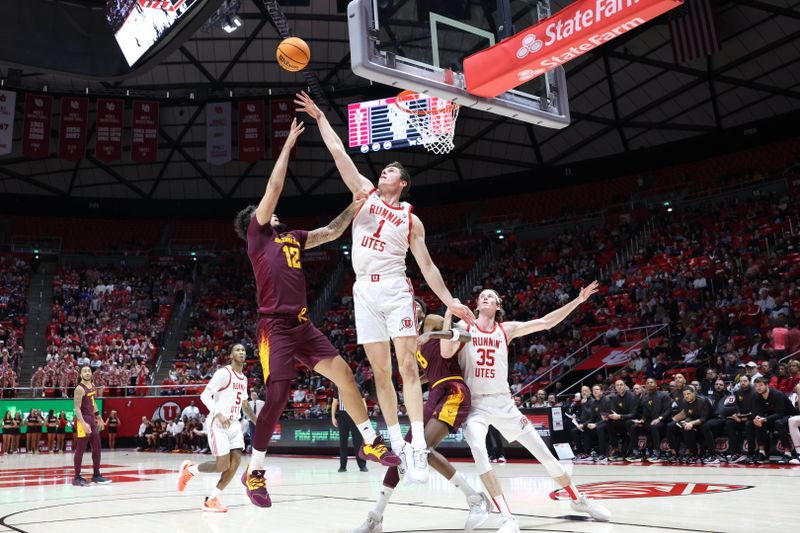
x=383, y=231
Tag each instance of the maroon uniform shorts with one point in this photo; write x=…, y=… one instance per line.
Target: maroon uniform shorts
x=449, y=401
x=284, y=340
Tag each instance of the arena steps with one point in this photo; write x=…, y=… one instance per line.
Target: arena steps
x=40, y=311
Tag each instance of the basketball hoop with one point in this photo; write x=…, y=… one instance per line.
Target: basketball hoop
x=436, y=125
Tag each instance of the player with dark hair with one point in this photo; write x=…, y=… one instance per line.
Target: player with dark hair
x=446, y=408
x=772, y=410
x=654, y=411
x=685, y=426
x=88, y=426
x=225, y=397
x=740, y=423
x=285, y=334
x=383, y=233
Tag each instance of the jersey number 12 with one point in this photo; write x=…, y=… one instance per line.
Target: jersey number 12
x=292, y=256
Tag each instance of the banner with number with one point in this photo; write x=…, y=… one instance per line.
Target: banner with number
x=8, y=102
x=218, y=133
x=281, y=115
x=110, y=121
x=36, y=132
x=144, y=131
x=72, y=131
x=251, y=130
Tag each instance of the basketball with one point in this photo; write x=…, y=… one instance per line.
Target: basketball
x=293, y=54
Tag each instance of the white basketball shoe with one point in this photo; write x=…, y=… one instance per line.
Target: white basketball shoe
x=479, y=509
x=373, y=524
x=591, y=507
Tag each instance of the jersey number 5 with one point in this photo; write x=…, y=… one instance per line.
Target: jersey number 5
x=487, y=358
x=238, y=397
x=292, y=256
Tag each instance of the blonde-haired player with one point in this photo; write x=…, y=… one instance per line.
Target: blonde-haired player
x=225, y=397
x=384, y=229
x=484, y=360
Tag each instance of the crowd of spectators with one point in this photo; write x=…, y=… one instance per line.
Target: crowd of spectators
x=112, y=319
x=14, y=282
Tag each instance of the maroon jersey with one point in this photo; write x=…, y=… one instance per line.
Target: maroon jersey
x=280, y=282
x=437, y=368
x=87, y=404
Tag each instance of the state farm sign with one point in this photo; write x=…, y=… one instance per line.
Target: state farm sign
x=571, y=32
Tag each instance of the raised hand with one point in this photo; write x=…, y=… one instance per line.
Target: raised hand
x=588, y=291
x=306, y=105
x=294, y=132
x=463, y=312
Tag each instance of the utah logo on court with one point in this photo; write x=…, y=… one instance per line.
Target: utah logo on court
x=609, y=490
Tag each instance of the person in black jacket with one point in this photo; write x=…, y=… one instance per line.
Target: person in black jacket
x=578, y=411
x=624, y=407
x=685, y=425
x=592, y=425
x=772, y=410
x=652, y=417
x=724, y=405
x=740, y=423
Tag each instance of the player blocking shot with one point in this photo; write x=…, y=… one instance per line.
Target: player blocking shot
x=384, y=229
x=445, y=410
x=484, y=360
x=285, y=335
x=225, y=397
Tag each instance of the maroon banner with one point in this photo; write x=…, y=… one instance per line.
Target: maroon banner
x=281, y=115
x=131, y=410
x=251, y=130
x=72, y=131
x=110, y=121
x=36, y=133
x=144, y=132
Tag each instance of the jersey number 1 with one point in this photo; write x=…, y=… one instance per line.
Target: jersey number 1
x=292, y=256
x=377, y=234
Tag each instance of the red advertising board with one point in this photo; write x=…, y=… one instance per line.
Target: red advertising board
x=72, y=132
x=36, y=133
x=131, y=410
x=568, y=34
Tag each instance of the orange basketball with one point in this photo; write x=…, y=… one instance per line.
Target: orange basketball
x=293, y=54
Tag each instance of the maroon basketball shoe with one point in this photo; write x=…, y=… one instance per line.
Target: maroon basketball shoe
x=379, y=453
x=256, y=487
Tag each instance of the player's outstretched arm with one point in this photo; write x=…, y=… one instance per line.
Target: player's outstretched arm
x=350, y=174
x=451, y=338
x=432, y=275
x=550, y=320
x=336, y=227
x=275, y=184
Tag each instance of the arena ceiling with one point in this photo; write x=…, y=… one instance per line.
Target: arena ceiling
x=624, y=97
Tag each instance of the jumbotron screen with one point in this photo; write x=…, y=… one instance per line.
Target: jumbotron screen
x=139, y=25
x=380, y=125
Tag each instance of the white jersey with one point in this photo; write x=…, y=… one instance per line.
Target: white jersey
x=381, y=235
x=484, y=360
x=225, y=392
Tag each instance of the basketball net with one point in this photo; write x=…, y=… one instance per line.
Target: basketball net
x=436, y=125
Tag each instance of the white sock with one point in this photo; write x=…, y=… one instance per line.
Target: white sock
x=257, y=460
x=214, y=493
x=459, y=482
x=418, y=436
x=193, y=470
x=502, y=506
x=396, y=438
x=384, y=496
x=367, y=431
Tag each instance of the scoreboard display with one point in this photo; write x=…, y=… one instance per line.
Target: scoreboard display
x=380, y=125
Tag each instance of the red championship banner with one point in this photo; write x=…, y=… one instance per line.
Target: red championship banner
x=72, y=131
x=251, y=130
x=144, y=132
x=8, y=103
x=110, y=121
x=36, y=133
x=131, y=410
x=281, y=115
x=568, y=34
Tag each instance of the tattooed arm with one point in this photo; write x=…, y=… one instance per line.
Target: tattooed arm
x=336, y=227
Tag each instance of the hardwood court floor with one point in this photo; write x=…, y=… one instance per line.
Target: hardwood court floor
x=309, y=495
